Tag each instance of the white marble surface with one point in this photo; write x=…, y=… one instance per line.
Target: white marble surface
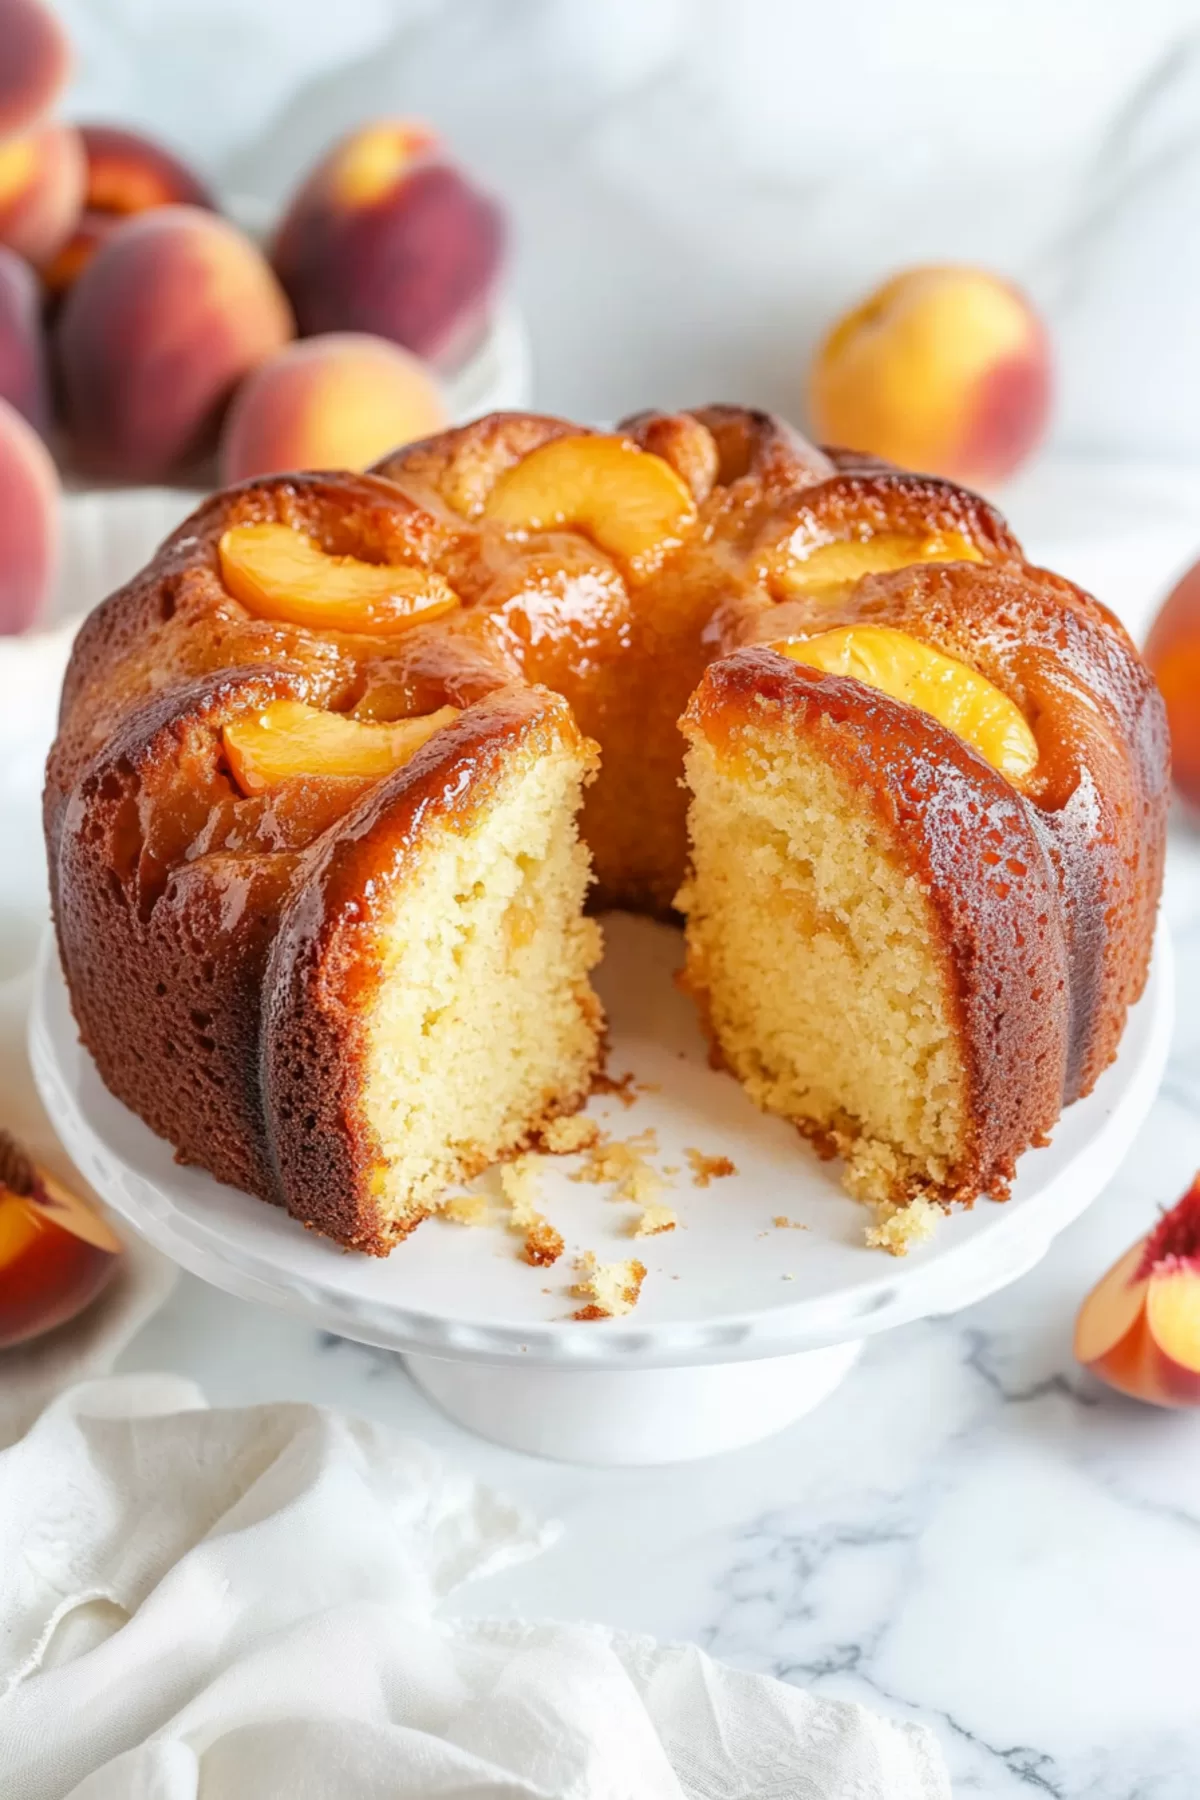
x=971, y=1532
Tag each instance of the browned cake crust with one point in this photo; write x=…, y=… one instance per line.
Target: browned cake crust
x=170, y=887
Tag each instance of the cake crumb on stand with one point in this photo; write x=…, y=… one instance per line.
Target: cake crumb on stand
x=898, y=1228
x=610, y=1289
x=707, y=1169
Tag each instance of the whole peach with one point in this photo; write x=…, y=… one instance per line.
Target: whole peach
x=41, y=190
x=335, y=402
x=386, y=237
x=127, y=173
x=1173, y=652
x=945, y=369
x=35, y=59
x=29, y=510
x=22, y=353
x=173, y=311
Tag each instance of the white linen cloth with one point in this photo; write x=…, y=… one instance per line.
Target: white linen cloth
x=31, y=1374
x=241, y=1605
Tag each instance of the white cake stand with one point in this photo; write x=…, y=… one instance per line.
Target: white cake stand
x=742, y=1326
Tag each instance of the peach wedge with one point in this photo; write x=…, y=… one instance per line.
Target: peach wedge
x=951, y=692
x=289, y=740
x=1139, y=1328
x=278, y=573
x=628, y=501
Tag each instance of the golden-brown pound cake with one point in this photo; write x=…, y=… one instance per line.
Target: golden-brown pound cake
x=330, y=771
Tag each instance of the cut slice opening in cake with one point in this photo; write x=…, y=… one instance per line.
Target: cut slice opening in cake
x=815, y=957
x=482, y=1025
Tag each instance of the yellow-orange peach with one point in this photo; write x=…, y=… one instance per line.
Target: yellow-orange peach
x=628, y=501
x=22, y=357
x=1139, y=1328
x=1173, y=652
x=126, y=173
x=278, y=573
x=175, y=309
x=386, y=237
x=35, y=60
x=56, y=1252
x=335, y=402
x=907, y=669
x=29, y=514
x=290, y=741
x=945, y=369
x=829, y=570
x=41, y=190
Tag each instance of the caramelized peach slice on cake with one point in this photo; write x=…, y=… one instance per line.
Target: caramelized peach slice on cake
x=628, y=501
x=951, y=692
x=288, y=739
x=829, y=570
x=278, y=573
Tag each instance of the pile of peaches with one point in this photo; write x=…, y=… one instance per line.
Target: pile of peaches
x=140, y=331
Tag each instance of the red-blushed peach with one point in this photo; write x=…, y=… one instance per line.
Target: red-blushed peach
x=335, y=402
x=127, y=173
x=22, y=350
x=41, y=190
x=29, y=522
x=56, y=1251
x=945, y=369
x=1139, y=1328
x=35, y=60
x=386, y=237
x=1173, y=652
x=173, y=311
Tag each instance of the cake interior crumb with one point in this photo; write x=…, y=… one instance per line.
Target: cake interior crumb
x=707, y=1169
x=653, y=1220
x=610, y=1289
x=898, y=1228
x=569, y=1133
x=519, y=1184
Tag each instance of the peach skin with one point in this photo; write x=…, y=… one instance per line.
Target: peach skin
x=56, y=1252
x=41, y=190
x=127, y=173
x=1173, y=652
x=386, y=237
x=335, y=402
x=174, y=310
x=35, y=60
x=1139, y=1328
x=29, y=513
x=944, y=369
x=22, y=353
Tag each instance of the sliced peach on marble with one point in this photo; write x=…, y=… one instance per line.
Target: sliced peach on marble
x=288, y=740
x=35, y=60
x=1139, y=1328
x=1173, y=652
x=826, y=571
x=126, y=173
x=946, y=369
x=914, y=672
x=22, y=351
x=41, y=190
x=164, y=322
x=386, y=236
x=29, y=522
x=335, y=402
x=628, y=501
x=279, y=573
x=56, y=1251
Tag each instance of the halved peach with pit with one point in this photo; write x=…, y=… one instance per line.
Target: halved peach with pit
x=907, y=669
x=826, y=571
x=1139, y=1328
x=279, y=573
x=289, y=739
x=628, y=501
x=56, y=1251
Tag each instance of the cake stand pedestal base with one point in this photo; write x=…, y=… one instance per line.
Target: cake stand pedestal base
x=632, y=1416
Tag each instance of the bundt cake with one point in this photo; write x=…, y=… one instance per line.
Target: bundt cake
x=311, y=813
